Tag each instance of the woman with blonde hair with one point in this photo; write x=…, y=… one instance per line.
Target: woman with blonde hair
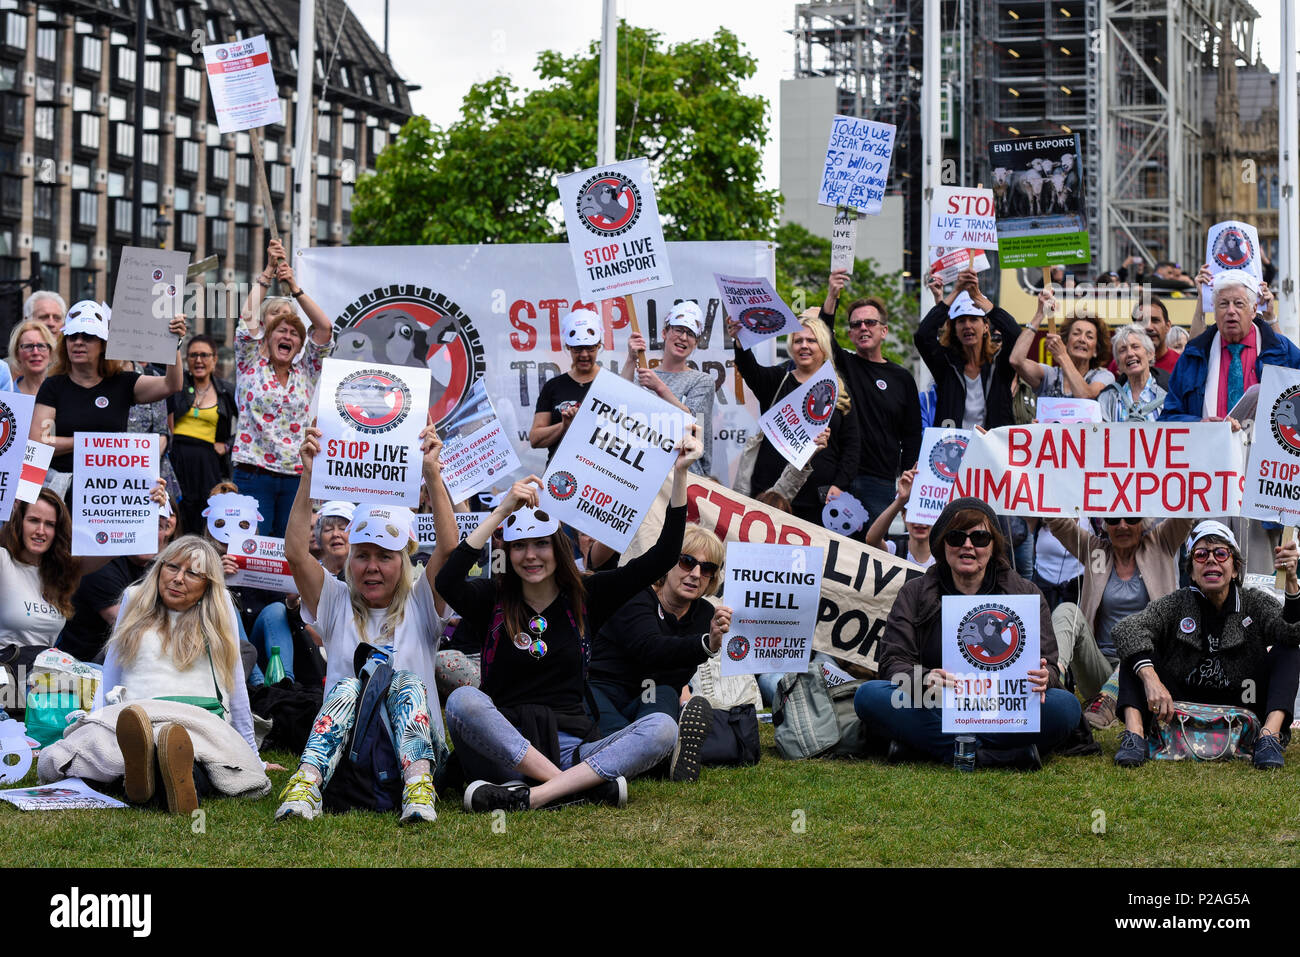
x=31, y=350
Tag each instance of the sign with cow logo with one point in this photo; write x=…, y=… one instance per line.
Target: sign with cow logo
x=612, y=460
x=615, y=237
x=1272, y=491
x=261, y=564
x=856, y=170
x=1039, y=202
x=938, y=467
x=753, y=303
x=990, y=644
x=476, y=452
x=15, y=422
x=145, y=298
x=370, y=417
x=113, y=475
x=1231, y=245
x=774, y=592
x=793, y=423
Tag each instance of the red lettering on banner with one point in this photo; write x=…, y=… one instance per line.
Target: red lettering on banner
x=1122, y=482
x=1146, y=484
x=616, y=316
x=1091, y=492
x=1198, y=483
x=727, y=510
x=1170, y=448
x=1227, y=487
x=693, y=492
x=526, y=344
x=750, y=519
x=1106, y=460
x=793, y=536
x=1176, y=504
x=1018, y=445
x=553, y=306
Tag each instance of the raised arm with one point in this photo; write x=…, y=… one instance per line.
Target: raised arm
x=251, y=313
x=444, y=522
x=151, y=388
x=880, y=527
x=308, y=574
x=1031, y=370
x=1204, y=279
x=321, y=330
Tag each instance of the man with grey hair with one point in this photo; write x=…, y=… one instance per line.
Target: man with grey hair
x=48, y=308
x=1218, y=366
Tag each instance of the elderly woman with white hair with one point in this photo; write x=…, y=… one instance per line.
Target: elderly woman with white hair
x=1135, y=397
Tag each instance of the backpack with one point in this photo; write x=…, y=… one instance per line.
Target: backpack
x=812, y=720
x=369, y=777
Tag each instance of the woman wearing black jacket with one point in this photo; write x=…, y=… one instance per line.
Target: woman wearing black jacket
x=527, y=719
x=201, y=416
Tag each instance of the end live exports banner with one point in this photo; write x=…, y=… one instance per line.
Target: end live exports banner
x=1156, y=470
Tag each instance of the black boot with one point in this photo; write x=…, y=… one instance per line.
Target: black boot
x=1017, y=759
x=1080, y=742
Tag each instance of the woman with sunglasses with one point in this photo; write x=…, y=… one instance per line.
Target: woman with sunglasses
x=1213, y=643
x=31, y=348
x=201, y=416
x=970, y=558
x=528, y=719
x=661, y=636
x=1131, y=565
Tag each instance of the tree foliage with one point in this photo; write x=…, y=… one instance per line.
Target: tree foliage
x=491, y=175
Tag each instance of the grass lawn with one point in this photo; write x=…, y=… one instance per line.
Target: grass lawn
x=1076, y=812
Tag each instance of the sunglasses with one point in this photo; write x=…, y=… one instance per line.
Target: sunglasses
x=978, y=537
x=869, y=323
x=687, y=563
x=1220, y=553
x=532, y=642
x=1112, y=522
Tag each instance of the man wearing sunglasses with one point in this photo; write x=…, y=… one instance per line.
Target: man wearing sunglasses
x=884, y=395
x=560, y=397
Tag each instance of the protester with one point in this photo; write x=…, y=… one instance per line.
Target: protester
x=86, y=392
x=201, y=416
x=884, y=397
x=398, y=619
x=1153, y=315
x=916, y=546
x=1136, y=397
x=973, y=559
x=1213, y=643
x=31, y=347
x=1176, y=338
x=1080, y=352
x=527, y=721
x=150, y=418
x=972, y=375
x=278, y=366
x=646, y=654
x=48, y=308
x=833, y=468
x=560, y=397
x=37, y=572
x=1265, y=303
x=675, y=382
x=1057, y=573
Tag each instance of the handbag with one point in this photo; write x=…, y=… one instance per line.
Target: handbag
x=212, y=705
x=1204, y=732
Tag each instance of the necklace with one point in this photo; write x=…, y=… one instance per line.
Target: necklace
x=198, y=398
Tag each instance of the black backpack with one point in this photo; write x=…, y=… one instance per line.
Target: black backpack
x=369, y=776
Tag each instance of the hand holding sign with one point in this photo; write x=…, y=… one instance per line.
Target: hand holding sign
x=523, y=492
x=309, y=449
x=719, y=627
x=431, y=448
x=689, y=449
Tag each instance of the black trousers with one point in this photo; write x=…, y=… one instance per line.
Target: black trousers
x=1274, y=689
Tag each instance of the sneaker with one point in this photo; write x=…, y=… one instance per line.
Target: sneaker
x=135, y=741
x=1132, y=751
x=612, y=793
x=692, y=728
x=485, y=796
x=300, y=797
x=417, y=801
x=176, y=765
x=1100, y=711
x=1268, y=752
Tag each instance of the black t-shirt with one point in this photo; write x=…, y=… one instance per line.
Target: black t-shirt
x=643, y=641
x=558, y=394
x=103, y=408
x=86, y=633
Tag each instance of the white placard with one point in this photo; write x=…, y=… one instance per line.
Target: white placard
x=113, y=474
x=1231, y=245
x=615, y=237
x=793, y=423
x=36, y=462
x=963, y=216
x=612, y=460
x=370, y=417
x=844, y=239
x=937, y=469
x=773, y=592
x=15, y=424
x=70, y=794
x=261, y=563
x=427, y=536
x=476, y=451
x=149, y=292
x=857, y=164
x=947, y=263
x=244, y=91
x=1272, y=491
x=1066, y=409
x=990, y=643
x=753, y=302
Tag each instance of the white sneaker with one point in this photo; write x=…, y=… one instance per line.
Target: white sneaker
x=418, y=800
x=300, y=798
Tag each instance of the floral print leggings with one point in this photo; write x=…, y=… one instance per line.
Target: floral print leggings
x=408, y=711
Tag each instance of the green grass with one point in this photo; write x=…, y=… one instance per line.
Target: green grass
x=860, y=813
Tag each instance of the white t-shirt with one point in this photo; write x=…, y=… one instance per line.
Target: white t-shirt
x=415, y=642
x=974, y=414
x=26, y=618
x=892, y=548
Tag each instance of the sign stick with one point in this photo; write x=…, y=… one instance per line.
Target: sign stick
x=636, y=329
x=1288, y=535
x=1051, y=319
x=268, y=208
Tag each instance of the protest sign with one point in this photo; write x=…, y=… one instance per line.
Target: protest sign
x=1065, y=409
x=261, y=563
x=857, y=164
x=112, y=476
x=844, y=239
x=15, y=424
x=1231, y=245
x=244, y=91
x=615, y=237
x=963, y=216
x=1155, y=470
x=793, y=423
x=774, y=593
x=149, y=291
x=990, y=644
x=370, y=417
x=66, y=795
x=1272, y=491
x=623, y=442
x=946, y=262
x=937, y=469
x=36, y=462
x=427, y=537
x=475, y=449
x=752, y=302
x=1039, y=201
x=859, y=583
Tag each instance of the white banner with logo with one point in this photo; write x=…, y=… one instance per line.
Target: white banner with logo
x=990, y=644
x=752, y=301
x=774, y=592
x=1231, y=245
x=493, y=312
x=15, y=423
x=244, y=92
x=936, y=471
x=261, y=563
x=963, y=216
x=113, y=474
x=793, y=423
x=370, y=417
x=1272, y=491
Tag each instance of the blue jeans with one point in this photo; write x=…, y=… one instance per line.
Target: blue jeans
x=271, y=630
x=618, y=709
x=877, y=494
x=274, y=494
x=919, y=727
x=256, y=679
x=490, y=748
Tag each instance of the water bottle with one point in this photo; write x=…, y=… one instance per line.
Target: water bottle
x=963, y=753
x=274, y=667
